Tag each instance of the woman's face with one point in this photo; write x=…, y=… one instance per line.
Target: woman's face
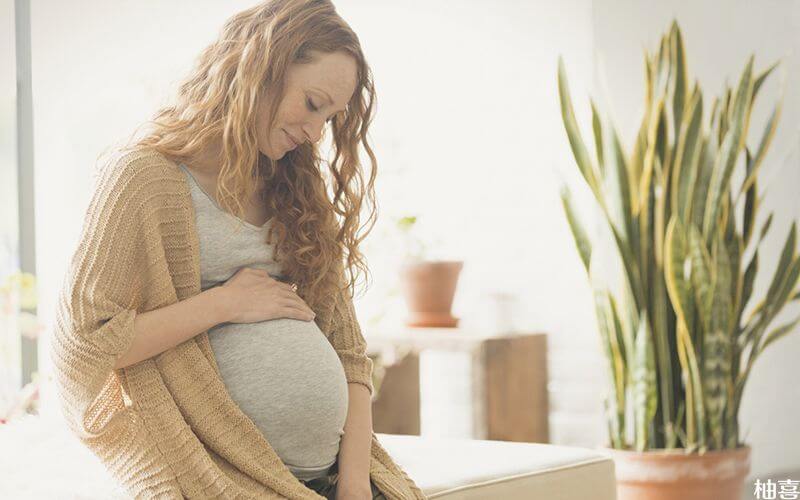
x=314, y=93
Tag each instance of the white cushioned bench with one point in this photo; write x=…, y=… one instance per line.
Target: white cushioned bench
x=40, y=459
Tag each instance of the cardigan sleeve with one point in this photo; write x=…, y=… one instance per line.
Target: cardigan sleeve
x=98, y=302
x=349, y=343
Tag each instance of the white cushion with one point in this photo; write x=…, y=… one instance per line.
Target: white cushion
x=447, y=468
x=39, y=458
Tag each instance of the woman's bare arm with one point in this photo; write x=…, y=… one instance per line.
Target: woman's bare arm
x=161, y=329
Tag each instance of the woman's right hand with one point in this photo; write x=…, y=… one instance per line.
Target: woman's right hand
x=253, y=295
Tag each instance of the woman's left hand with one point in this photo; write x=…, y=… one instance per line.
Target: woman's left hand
x=351, y=490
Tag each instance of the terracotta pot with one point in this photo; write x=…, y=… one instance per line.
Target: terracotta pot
x=429, y=288
x=673, y=475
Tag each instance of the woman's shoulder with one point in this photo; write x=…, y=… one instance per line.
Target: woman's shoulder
x=136, y=177
x=139, y=169
x=139, y=163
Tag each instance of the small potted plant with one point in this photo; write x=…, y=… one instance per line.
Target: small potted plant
x=679, y=345
x=428, y=286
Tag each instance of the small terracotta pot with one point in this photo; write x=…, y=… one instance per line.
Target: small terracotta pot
x=429, y=288
x=674, y=475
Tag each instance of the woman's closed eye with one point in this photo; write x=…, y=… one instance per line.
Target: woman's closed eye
x=314, y=108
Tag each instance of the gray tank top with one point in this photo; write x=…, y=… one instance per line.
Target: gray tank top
x=283, y=373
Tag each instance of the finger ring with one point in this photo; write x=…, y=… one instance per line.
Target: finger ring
x=294, y=287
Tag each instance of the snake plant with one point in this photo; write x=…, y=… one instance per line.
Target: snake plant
x=676, y=337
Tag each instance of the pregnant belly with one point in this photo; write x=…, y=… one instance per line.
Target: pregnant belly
x=286, y=376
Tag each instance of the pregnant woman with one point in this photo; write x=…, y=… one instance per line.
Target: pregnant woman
x=206, y=344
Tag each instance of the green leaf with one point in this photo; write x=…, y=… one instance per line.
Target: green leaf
x=677, y=270
x=702, y=278
x=729, y=151
x=762, y=77
x=765, y=228
x=687, y=157
x=644, y=382
x=579, y=234
x=779, y=332
x=597, y=128
x=679, y=64
x=787, y=256
x=750, y=202
x=705, y=169
x=763, y=146
x=618, y=186
x=747, y=285
x=615, y=403
x=573, y=133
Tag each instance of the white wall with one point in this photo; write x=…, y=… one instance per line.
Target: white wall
x=719, y=36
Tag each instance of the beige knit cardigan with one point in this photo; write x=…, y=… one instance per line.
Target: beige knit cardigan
x=166, y=427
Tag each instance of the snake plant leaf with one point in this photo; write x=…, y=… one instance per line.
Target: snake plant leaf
x=644, y=382
x=662, y=313
x=649, y=78
x=788, y=285
x=582, y=242
x=717, y=346
x=729, y=151
x=763, y=146
x=617, y=349
x=646, y=227
x=613, y=423
x=597, y=129
x=660, y=215
x=663, y=68
x=703, y=276
x=649, y=152
x=713, y=122
x=623, y=342
x=779, y=279
x=704, y=171
x=678, y=277
x=616, y=403
x=636, y=163
x=677, y=271
x=768, y=308
x=787, y=255
x=747, y=283
x=662, y=141
x=765, y=227
x=687, y=156
x=679, y=63
x=734, y=246
x=695, y=408
x=762, y=77
x=754, y=331
x=750, y=201
x=573, y=133
x=617, y=184
x=723, y=117
x=779, y=332
x=629, y=265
